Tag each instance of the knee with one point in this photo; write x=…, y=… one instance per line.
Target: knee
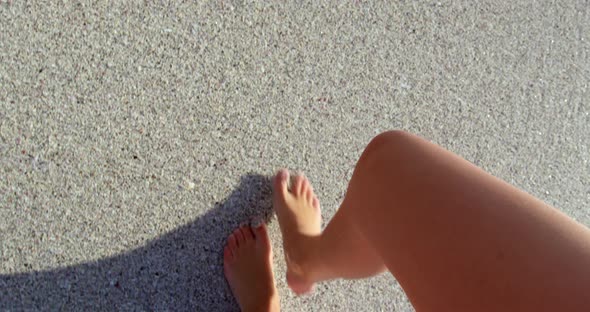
x=390, y=137
x=383, y=158
x=387, y=144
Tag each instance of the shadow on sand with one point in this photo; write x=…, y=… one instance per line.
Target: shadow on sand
x=179, y=271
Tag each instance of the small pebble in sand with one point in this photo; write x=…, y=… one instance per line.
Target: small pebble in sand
x=190, y=185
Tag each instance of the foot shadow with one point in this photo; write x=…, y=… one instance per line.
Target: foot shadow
x=179, y=271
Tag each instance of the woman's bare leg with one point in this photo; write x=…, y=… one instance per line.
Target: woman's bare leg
x=454, y=236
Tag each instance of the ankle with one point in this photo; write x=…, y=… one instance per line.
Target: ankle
x=308, y=263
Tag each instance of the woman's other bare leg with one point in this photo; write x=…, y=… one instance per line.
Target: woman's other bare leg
x=454, y=236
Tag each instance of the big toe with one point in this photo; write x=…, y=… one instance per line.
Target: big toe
x=281, y=182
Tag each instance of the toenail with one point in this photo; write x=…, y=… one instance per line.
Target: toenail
x=283, y=173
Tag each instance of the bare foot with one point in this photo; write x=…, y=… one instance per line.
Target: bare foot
x=247, y=264
x=298, y=211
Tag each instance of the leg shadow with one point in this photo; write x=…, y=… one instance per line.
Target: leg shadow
x=179, y=271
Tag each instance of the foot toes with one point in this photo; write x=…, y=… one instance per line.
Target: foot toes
x=239, y=237
x=309, y=195
x=297, y=186
x=281, y=181
x=305, y=185
x=315, y=203
x=262, y=234
x=231, y=242
x=247, y=232
x=227, y=254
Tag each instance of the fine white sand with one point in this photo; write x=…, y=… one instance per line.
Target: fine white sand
x=135, y=135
